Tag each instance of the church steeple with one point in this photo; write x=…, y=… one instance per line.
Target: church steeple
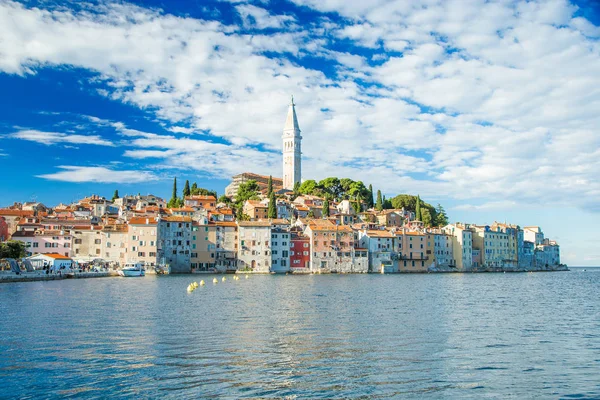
x=292, y=153
x=291, y=122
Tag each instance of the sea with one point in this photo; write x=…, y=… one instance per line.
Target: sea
x=487, y=335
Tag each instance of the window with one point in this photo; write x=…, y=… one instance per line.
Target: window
x=141, y=254
x=35, y=244
x=97, y=241
x=306, y=253
x=284, y=253
x=305, y=244
x=98, y=251
x=194, y=246
x=66, y=245
x=152, y=254
x=174, y=252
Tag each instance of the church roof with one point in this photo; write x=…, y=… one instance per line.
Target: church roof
x=291, y=122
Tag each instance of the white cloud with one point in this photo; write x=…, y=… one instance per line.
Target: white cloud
x=50, y=138
x=492, y=100
x=98, y=175
x=260, y=18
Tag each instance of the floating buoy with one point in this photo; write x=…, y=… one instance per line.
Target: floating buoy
x=202, y=283
x=190, y=288
x=224, y=279
x=246, y=276
x=215, y=280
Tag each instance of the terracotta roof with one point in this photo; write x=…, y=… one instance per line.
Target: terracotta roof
x=380, y=233
x=177, y=218
x=226, y=223
x=142, y=221
x=16, y=213
x=254, y=223
x=187, y=209
x=57, y=256
x=200, y=197
x=327, y=225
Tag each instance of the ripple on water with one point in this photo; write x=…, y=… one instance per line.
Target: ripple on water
x=457, y=336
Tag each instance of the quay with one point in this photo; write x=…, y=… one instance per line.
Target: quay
x=39, y=276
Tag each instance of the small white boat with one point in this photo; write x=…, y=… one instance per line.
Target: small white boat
x=132, y=269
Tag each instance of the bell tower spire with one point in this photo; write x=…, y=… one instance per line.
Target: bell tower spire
x=292, y=154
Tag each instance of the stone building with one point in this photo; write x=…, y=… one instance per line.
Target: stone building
x=174, y=242
x=254, y=244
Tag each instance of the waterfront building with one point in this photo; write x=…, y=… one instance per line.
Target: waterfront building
x=512, y=252
x=462, y=245
x=204, y=238
x=533, y=234
x=381, y=246
x=493, y=245
x=280, y=248
x=44, y=241
x=412, y=245
x=440, y=250
x=226, y=251
x=87, y=243
x=299, y=252
x=254, y=244
x=547, y=254
x=114, y=243
x=332, y=248
x=174, y=241
x=292, y=153
x=55, y=261
x=141, y=244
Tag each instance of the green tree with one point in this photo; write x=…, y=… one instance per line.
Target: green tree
x=247, y=191
x=345, y=184
x=387, y=204
x=272, y=210
x=311, y=214
x=12, y=249
x=441, y=218
x=115, y=196
x=331, y=186
x=309, y=187
x=296, y=191
x=174, y=202
x=379, y=203
x=426, y=216
x=370, y=202
x=224, y=199
x=194, y=188
x=270, y=186
x=325, y=211
x=418, y=209
x=186, y=189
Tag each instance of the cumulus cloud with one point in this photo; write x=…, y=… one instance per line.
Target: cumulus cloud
x=98, y=174
x=477, y=100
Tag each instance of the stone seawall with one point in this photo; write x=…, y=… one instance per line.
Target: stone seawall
x=38, y=276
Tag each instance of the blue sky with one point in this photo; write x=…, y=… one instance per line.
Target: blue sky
x=490, y=108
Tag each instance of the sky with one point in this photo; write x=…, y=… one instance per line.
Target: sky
x=487, y=107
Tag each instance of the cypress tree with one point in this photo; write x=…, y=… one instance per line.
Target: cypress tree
x=370, y=202
x=174, y=201
x=186, y=189
x=325, y=211
x=270, y=186
x=418, y=209
x=272, y=210
x=379, y=204
x=115, y=195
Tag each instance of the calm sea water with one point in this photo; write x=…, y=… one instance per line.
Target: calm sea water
x=347, y=336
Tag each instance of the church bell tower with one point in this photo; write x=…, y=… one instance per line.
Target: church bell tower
x=292, y=154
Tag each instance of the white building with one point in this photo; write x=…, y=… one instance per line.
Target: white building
x=292, y=153
x=381, y=245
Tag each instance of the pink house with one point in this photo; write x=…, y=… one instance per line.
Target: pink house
x=45, y=242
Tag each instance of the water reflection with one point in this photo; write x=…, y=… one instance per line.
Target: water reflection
x=372, y=336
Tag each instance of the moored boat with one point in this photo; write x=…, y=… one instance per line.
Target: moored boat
x=132, y=269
